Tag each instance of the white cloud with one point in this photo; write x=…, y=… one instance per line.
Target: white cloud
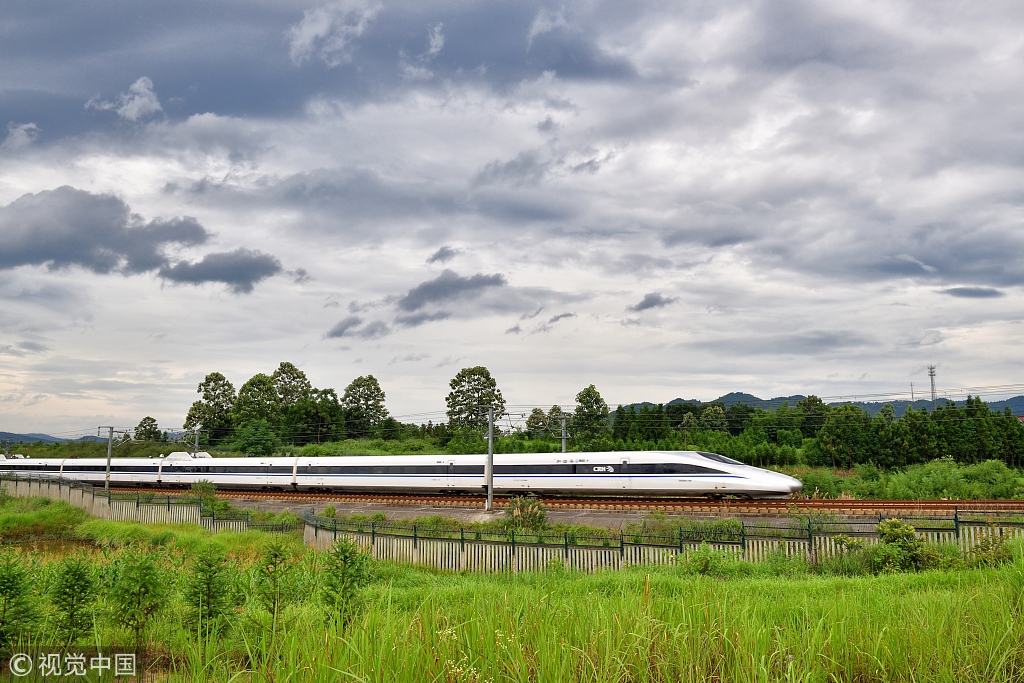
x=140, y=101
x=20, y=135
x=545, y=22
x=327, y=31
x=436, y=40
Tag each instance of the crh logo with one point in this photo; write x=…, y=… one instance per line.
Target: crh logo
x=604, y=468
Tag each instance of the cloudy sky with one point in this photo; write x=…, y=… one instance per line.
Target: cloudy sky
x=663, y=199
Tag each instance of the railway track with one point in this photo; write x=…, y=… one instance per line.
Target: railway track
x=667, y=505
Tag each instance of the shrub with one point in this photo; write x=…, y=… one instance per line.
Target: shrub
x=898, y=550
x=329, y=511
x=705, y=561
x=526, y=512
x=991, y=551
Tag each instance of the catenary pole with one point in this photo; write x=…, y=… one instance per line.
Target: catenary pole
x=563, y=433
x=490, y=458
x=110, y=448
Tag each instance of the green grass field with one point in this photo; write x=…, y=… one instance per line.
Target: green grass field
x=707, y=619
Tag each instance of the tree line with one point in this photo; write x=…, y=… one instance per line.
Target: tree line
x=269, y=412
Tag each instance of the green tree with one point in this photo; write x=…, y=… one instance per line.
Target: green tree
x=316, y=418
x=148, y=430
x=17, y=608
x=848, y=438
x=537, y=422
x=590, y=419
x=713, y=418
x=258, y=438
x=73, y=594
x=814, y=411
x=554, y=420
x=213, y=411
x=291, y=385
x=472, y=391
x=207, y=591
x=257, y=400
x=138, y=591
x=363, y=405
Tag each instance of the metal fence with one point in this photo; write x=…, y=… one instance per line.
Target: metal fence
x=462, y=548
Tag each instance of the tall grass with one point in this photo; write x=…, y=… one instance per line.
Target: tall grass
x=710, y=618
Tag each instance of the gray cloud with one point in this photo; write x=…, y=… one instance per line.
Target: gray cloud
x=810, y=343
x=448, y=286
x=350, y=327
x=973, y=292
x=652, y=300
x=343, y=326
x=240, y=269
x=443, y=255
x=66, y=227
x=415, y=319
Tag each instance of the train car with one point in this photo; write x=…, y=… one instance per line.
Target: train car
x=623, y=473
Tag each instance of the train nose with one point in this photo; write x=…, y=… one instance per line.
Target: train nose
x=793, y=485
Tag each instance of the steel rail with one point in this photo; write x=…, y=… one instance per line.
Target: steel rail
x=724, y=506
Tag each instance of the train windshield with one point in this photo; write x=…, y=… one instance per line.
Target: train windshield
x=719, y=458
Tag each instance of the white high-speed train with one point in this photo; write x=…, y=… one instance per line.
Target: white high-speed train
x=677, y=473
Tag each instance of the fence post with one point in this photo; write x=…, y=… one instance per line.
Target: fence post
x=335, y=528
x=810, y=539
x=566, y=535
x=956, y=522
x=622, y=545
x=513, y=543
x=373, y=531
x=743, y=537
x=462, y=539
x=414, y=537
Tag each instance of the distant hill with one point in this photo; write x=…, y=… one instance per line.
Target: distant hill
x=1016, y=403
x=45, y=438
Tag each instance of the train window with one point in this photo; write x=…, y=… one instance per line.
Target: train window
x=719, y=458
x=280, y=470
x=466, y=470
x=685, y=468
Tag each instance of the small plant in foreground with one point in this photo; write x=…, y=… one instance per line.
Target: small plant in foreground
x=138, y=591
x=346, y=569
x=17, y=609
x=273, y=568
x=208, y=589
x=73, y=594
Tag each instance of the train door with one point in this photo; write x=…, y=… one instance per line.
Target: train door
x=452, y=479
x=625, y=480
